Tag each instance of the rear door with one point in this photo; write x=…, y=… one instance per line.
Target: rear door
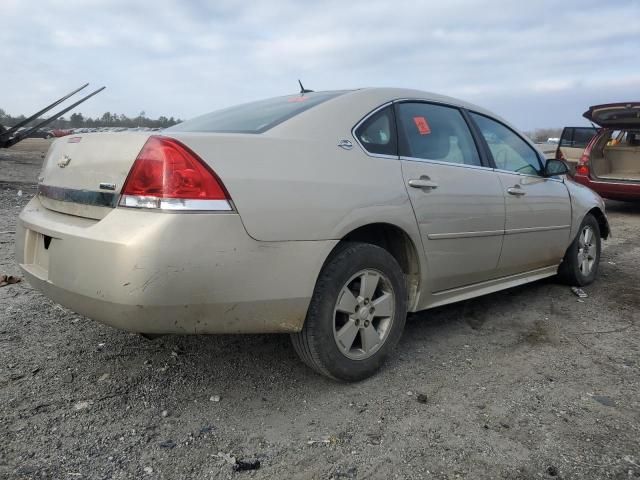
x=458, y=201
x=572, y=144
x=538, y=209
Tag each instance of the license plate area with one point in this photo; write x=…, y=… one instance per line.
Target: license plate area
x=37, y=253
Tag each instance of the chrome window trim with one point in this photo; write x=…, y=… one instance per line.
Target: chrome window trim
x=424, y=100
x=381, y=155
x=440, y=162
x=392, y=102
x=460, y=108
x=498, y=170
x=364, y=119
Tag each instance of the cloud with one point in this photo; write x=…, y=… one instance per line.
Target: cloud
x=168, y=57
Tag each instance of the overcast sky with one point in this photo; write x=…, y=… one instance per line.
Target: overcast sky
x=537, y=63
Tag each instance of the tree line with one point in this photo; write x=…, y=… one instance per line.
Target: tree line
x=108, y=119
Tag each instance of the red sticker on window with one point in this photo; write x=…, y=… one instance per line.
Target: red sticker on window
x=423, y=126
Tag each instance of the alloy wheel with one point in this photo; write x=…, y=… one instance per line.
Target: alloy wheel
x=587, y=250
x=363, y=314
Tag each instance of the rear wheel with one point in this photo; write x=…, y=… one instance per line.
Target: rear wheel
x=357, y=313
x=580, y=264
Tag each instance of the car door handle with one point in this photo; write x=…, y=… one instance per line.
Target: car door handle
x=516, y=190
x=422, y=183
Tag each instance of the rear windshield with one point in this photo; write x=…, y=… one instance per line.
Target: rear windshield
x=255, y=117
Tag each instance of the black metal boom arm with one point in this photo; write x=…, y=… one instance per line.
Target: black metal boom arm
x=9, y=137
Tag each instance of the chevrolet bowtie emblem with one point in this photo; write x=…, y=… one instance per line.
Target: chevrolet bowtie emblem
x=64, y=161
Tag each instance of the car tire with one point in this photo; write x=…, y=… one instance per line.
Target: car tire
x=580, y=264
x=343, y=336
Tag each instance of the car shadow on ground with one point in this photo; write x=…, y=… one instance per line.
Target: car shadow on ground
x=236, y=360
x=614, y=206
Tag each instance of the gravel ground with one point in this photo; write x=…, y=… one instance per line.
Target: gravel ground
x=525, y=384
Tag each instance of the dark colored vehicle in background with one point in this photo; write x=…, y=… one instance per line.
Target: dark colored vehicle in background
x=40, y=133
x=610, y=164
x=572, y=143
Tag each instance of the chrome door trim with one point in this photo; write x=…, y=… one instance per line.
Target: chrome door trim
x=514, y=231
x=447, y=236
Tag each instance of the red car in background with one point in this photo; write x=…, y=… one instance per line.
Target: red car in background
x=60, y=132
x=610, y=164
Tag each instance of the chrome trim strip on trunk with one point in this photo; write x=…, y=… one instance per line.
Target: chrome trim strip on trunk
x=84, y=197
x=112, y=200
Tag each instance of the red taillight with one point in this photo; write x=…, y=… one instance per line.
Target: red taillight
x=168, y=169
x=168, y=175
x=582, y=169
x=583, y=166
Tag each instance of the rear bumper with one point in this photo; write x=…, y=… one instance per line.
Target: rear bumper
x=153, y=272
x=610, y=189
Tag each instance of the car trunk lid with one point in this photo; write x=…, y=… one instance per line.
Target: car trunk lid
x=83, y=174
x=615, y=115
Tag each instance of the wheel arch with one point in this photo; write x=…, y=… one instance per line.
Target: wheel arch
x=603, y=223
x=398, y=243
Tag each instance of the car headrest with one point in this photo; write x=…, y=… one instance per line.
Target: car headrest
x=434, y=145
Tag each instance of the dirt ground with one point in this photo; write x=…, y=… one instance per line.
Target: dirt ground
x=529, y=383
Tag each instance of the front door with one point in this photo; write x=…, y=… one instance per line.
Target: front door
x=538, y=209
x=458, y=201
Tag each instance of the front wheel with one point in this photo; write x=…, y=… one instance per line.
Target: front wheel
x=580, y=264
x=357, y=313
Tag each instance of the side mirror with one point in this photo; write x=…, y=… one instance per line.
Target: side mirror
x=555, y=167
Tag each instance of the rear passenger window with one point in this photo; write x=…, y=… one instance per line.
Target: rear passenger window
x=378, y=133
x=435, y=132
x=509, y=151
x=577, y=137
x=582, y=137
